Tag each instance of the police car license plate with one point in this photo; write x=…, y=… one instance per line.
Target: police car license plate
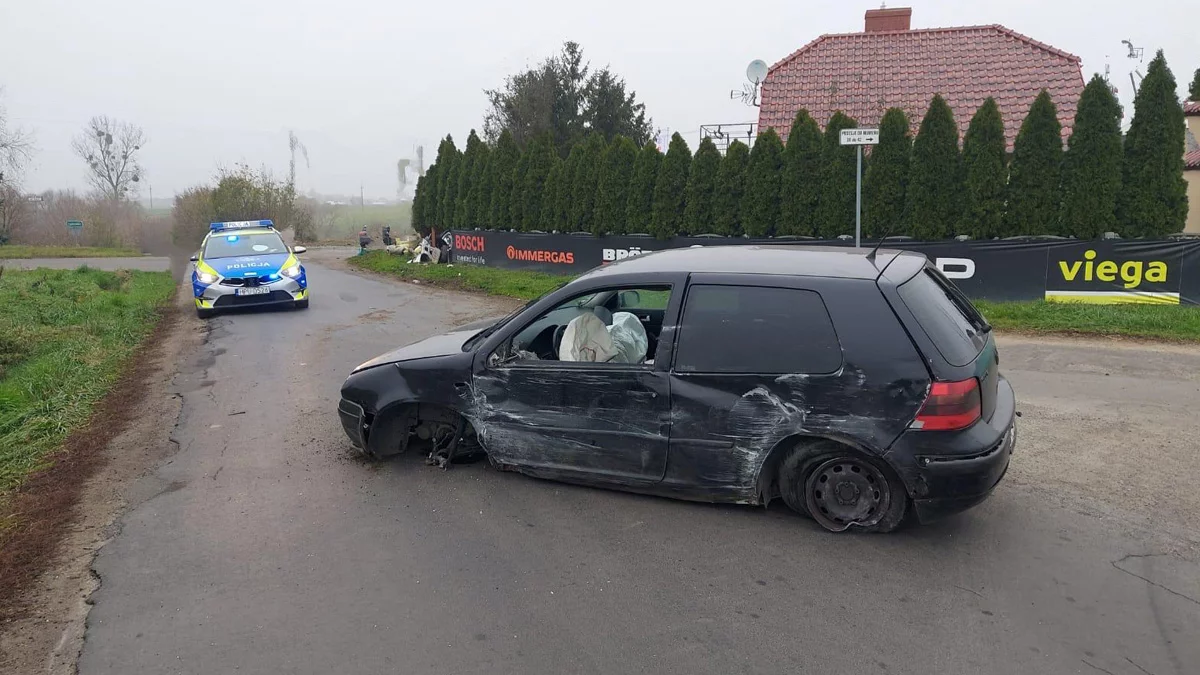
x=254, y=290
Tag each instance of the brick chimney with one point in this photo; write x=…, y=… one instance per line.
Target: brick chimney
x=879, y=20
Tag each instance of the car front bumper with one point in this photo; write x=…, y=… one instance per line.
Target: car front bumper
x=220, y=296
x=353, y=422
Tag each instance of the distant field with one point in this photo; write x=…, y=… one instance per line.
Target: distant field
x=12, y=252
x=342, y=223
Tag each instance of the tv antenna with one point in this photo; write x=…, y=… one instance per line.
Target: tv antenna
x=756, y=72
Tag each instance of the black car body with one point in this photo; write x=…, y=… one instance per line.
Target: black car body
x=850, y=385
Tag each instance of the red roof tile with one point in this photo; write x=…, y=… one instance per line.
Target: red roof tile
x=1192, y=160
x=864, y=74
x=1191, y=108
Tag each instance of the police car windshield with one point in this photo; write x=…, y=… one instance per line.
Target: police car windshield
x=235, y=244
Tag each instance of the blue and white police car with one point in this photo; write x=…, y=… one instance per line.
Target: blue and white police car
x=246, y=263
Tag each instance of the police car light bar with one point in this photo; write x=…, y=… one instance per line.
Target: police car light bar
x=240, y=225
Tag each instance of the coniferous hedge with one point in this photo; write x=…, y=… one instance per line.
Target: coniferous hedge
x=923, y=187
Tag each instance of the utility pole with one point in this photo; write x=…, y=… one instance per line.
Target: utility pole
x=362, y=200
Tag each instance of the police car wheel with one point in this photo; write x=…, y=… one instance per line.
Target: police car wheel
x=302, y=304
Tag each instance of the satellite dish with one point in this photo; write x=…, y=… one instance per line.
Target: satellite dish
x=756, y=72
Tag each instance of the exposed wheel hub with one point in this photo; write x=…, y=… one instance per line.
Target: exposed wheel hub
x=847, y=491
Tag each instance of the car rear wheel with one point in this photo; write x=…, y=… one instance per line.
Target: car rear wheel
x=842, y=489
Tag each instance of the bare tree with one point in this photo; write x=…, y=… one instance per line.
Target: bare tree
x=110, y=149
x=16, y=149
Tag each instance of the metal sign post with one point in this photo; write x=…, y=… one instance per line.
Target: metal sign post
x=859, y=137
x=75, y=227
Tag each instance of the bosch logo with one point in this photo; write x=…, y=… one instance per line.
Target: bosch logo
x=468, y=242
x=611, y=254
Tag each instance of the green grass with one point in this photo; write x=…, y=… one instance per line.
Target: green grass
x=342, y=223
x=13, y=251
x=64, y=337
x=1157, y=322
x=510, y=283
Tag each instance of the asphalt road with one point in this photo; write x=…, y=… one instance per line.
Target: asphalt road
x=143, y=263
x=270, y=548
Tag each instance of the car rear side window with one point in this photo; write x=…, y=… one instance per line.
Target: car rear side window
x=756, y=329
x=956, y=330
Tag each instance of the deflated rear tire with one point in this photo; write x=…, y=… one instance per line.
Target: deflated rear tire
x=842, y=489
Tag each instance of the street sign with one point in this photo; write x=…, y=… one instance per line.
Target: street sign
x=860, y=137
x=74, y=226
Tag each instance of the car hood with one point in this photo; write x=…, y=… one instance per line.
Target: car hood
x=438, y=345
x=248, y=265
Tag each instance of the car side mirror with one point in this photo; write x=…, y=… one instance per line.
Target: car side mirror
x=299, y=249
x=194, y=258
x=630, y=299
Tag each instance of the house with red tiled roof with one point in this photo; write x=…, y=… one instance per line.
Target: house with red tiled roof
x=1191, y=165
x=891, y=65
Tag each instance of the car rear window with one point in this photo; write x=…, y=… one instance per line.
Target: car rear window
x=946, y=316
x=754, y=329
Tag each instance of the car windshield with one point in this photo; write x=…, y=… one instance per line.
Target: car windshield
x=235, y=245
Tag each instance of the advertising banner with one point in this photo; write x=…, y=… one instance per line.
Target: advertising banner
x=1103, y=271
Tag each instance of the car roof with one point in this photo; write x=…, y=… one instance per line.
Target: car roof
x=810, y=261
x=242, y=231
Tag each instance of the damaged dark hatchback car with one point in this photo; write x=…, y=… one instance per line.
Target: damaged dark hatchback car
x=858, y=388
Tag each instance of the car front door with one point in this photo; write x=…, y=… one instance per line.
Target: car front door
x=607, y=422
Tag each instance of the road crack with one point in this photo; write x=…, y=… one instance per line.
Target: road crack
x=1117, y=565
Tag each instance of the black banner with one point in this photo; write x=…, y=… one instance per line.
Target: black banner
x=1102, y=271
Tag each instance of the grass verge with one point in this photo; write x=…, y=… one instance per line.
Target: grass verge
x=12, y=252
x=65, y=336
x=1157, y=322
x=1154, y=322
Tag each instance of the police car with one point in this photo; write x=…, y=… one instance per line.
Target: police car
x=245, y=263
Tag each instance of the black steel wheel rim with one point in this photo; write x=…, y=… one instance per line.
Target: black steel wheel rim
x=847, y=491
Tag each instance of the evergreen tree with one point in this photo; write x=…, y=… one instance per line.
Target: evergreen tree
x=480, y=197
x=985, y=170
x=612, y=193
x=835, y=203
x=542, y=155
x=1035, y=177
x=760, y=204
x=1153, y=200
x=800, y=184
x=566, y=189
x=449, y=189
x=583, y=188
x=516, y=202
x=933, y=202
x=698, y=198
x=446, y=155
x=467, y=179
x=886, y=178
x=549, y=217
x=1194, y=88
x=418, y=213
x=500, y=176
x=641, y=190
x=1091, y=176
x=730, y=189
x=666, y=212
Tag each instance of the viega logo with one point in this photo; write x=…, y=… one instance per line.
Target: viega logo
x=557, y=257
x=1132, y=272
x=468, y=242
x=611, y=254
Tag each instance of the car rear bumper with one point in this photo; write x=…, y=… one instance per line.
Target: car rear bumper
x=955, y=485
x=948, y=472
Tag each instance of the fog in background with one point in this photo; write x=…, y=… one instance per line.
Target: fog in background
x=363, y=82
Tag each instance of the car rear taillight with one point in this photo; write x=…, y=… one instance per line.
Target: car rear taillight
x=950, y=406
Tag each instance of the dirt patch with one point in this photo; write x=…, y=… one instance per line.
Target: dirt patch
x=66, y=512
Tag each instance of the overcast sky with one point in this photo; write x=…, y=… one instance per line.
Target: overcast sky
x=362, y=82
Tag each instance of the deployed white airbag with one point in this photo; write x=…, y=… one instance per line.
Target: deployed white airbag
x=629, y=338
x=586, y=339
